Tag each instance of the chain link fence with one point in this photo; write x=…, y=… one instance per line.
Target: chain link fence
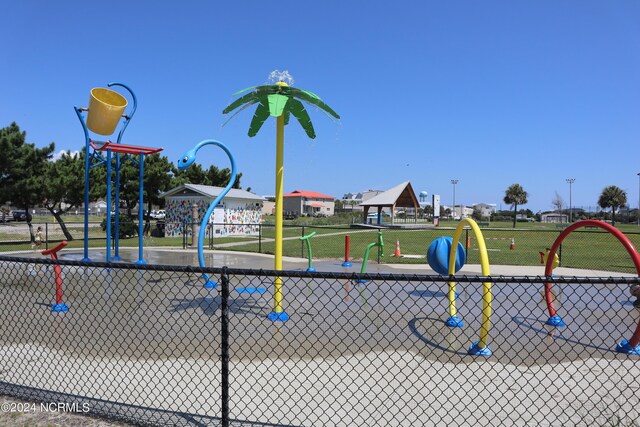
x=17, y=236
x=149, y=345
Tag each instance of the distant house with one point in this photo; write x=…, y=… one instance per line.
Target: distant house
x=98, y=208
x=461, y=212
x=238, y=214
x=357, y=197
x=351, y=201
x=486, y=209
x=310, y=203
x=268, y=207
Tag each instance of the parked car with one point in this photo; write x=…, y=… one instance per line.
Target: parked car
x=21, y=216
x=161, y=214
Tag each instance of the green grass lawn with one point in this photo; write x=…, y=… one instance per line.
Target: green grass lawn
x=589, y=249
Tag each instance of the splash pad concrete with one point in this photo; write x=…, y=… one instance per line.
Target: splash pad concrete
x=389, y=348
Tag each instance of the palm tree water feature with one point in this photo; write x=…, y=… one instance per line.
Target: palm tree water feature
x=279, y=100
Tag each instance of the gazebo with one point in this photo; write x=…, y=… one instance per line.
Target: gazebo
x=400, y=196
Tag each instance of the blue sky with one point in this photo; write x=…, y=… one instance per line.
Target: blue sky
x=489, y=93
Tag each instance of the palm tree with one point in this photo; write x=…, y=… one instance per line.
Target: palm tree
x=612, y=197
x=280, y=101
x=515, y=195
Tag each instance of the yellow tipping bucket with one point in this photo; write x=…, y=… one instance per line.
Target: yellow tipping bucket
x=105, y=109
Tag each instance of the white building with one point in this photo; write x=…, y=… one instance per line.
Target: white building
x=238, y=214
x=460, y=212
x=352, y=201
x=486, y=209
x=554, y=217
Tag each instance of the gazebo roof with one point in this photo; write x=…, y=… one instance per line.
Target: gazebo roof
x=401, y=195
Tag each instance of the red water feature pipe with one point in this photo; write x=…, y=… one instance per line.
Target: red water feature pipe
x=347, y=248
x=59, y=305
x=635, y=339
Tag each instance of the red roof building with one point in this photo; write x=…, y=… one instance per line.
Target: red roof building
x=309, y=203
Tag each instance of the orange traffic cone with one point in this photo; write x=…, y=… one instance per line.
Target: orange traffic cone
x=397, y=252
x=513, y=244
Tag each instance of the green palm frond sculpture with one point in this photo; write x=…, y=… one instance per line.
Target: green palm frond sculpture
x=280, y=101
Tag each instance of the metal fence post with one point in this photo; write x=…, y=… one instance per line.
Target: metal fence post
x=260, y=238
x=466, y=245
x=224, y=356
x=46, y=235
x=302, y=244
x=560, y=256
x=560, y=253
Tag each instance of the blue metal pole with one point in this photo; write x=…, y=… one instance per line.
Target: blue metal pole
x=131, y=113
x=108, y=252
x=141, y=213
x=116, y=231
x=117, y=190
x=87, y=166
x=86, y=202
x=185, y=161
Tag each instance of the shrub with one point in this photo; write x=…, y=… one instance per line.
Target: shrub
x=126, y=227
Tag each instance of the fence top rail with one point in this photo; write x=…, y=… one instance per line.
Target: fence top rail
x=352, y=276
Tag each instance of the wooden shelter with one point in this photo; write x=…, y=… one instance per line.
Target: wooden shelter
x=400, y=196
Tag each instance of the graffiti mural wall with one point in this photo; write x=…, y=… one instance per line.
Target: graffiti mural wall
x=233, y=218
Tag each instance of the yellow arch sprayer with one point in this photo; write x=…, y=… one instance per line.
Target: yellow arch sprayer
x=437, y=257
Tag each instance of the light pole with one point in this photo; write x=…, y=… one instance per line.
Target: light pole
x=454, y=182
x=570, y=181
